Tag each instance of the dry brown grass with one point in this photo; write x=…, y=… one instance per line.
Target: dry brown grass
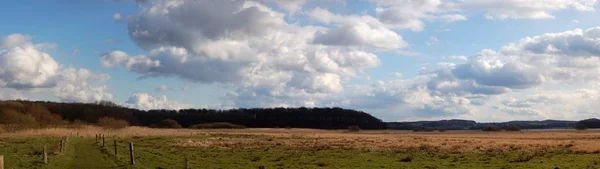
x=451, y=141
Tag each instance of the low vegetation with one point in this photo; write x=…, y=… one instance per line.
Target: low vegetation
x=513, y=128
x=353, y=128
x=167, y=123
x=580, y=126
x=492, y=128
x=221, y=125
x=303, y=148
x=112, y=123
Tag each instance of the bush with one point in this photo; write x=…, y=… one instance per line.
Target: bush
x=112, y=123
x=220, y=125
x=14, y=117
x=580, y=126
x=513, y=128
x=423, y=130
x=42, y=115
x=77, y=124
x=353, y=128
x=11, y=120
x=167, y=123
x=492, y=128
x=406, y=159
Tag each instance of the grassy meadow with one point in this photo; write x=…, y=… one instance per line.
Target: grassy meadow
x=302, y=148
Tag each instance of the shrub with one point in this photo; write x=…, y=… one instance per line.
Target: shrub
x=219, y=125
x=492, y=128
x=406, y=159
x=353, y=128
x=112, y=123
x=42, y=115
x=14, y=117
x=423, y=130
x=167, y=123
x=11, y=120
x=513, y=128
x=580, y=126
x=77, y=124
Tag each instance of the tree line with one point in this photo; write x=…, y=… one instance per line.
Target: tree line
x=56, y=113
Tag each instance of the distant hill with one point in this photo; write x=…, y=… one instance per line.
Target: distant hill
x=472, y=125
x=589, y=123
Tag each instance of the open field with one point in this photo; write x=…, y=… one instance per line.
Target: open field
x=304, y=148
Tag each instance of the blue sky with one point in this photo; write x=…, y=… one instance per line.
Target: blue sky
x=487, y=60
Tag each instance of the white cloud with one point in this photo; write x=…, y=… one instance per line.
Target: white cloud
x=525, y=9
x=246, y=45
x=269, y=62
x=292, y=6
x=162, y=88
x=355, y=30
x=554, y=104
x=15, y=40
x=465, y=90
x=138, y=63
x=75, y=52
x=432, y=41
x=455, y=57
x=146, y=102
x=117, y=17
x=24, y=67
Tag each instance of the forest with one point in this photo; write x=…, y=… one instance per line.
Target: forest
x=42, y=113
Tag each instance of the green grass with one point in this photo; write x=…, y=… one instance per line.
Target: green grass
x=159, y=152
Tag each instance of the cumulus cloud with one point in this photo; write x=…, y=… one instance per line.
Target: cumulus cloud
x=355, y=31
x=462, y=89
x=24, y=67
x=247, y=45
x=146, y=102
x=432, y=41
x=117, y=17
x=411, y=14
x=269, y=62
x=75, y=86
x=525, y=9
x=292, y=6
x=162, y=88
x=139, y=63
x=553, y=104
x=75, y=52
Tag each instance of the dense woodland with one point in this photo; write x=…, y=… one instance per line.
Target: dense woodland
x=21, y=113
x=49, y=113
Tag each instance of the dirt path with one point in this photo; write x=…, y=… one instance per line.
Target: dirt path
x=84, y=153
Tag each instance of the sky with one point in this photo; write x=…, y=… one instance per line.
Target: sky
x=399, y=60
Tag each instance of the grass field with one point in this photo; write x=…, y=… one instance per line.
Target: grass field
x=303, y=148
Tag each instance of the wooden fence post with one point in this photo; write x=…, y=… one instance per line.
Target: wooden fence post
x=186, y=162
x=116, y=157
x=103, y=142
x=45, y=155
x=62, y=144
x=1, y=162
x=131, y=153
